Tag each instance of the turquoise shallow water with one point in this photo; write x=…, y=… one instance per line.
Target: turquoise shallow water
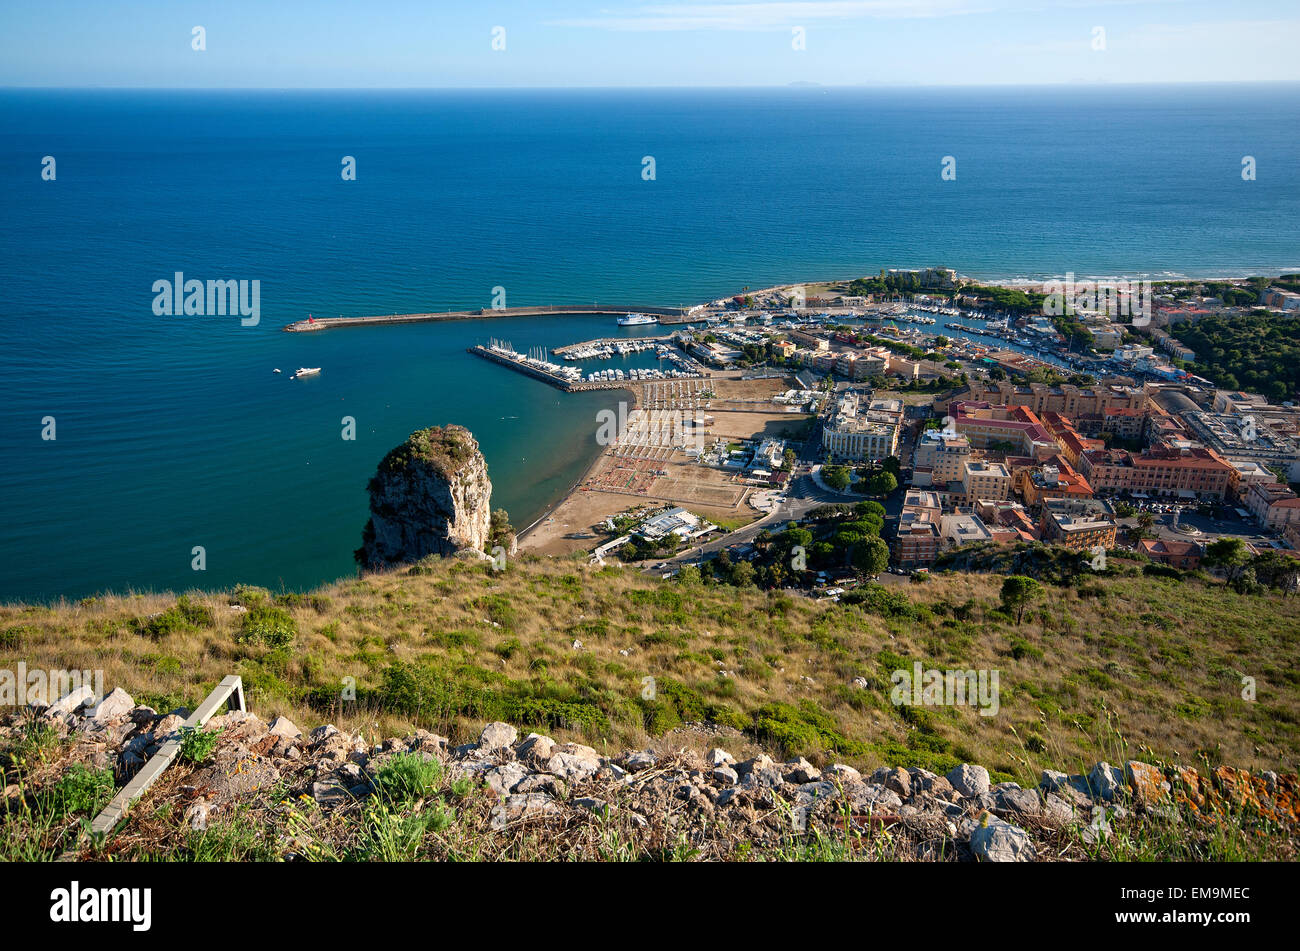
x=173, y=431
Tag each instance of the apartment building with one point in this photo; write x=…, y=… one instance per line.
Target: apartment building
x=1079, y=524
x=1009, y=516
x=1054, y=479
x=1066, y=399
x=1176, y=554
x=1015, y=429
x=1072, y=443
x=985, y=480
x=1246, y=474
x=862, y=430
x=1273, y=504
x=963, y=527
x=939, y=458
x=917, y=541
x=1188, y=472
x=1248, y=437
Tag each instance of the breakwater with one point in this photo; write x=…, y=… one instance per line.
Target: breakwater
x=665, y=315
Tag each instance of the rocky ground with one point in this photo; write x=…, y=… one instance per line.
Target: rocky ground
x=317, y=795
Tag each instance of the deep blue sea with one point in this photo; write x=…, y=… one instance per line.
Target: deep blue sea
x=173, y=432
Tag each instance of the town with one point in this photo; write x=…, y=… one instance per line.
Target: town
x=824, y=440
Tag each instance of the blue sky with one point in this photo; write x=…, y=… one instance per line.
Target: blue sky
x=398, y=43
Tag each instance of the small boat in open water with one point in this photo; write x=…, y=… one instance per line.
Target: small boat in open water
x=305, y=371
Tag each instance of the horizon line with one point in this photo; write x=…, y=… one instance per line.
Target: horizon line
x=795, y=85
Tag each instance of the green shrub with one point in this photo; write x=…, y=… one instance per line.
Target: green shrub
x=13, y=638
x=197, y=743
x=498, y=608
x=249, y=595
x=185, y=615
x=267, y=625
x=79, y=790
x=1156, y=570
x=801, y=730
x=885, y=602
x=427, y=565
x=1021, y=648
x=407, y=778
x=291, y=599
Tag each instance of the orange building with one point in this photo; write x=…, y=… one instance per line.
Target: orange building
x=1054, y=479
x=1176, y=554
x=1186, y=472
x=1077, y=524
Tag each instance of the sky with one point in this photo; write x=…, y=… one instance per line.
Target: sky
x=481, y=43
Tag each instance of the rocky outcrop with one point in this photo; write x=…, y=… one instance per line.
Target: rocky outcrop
x=573, y=795
x=431, y=496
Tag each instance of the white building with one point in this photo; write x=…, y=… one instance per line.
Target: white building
x=963, y=528
x=863, y=432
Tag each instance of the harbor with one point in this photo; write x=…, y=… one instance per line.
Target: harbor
x=538, y=364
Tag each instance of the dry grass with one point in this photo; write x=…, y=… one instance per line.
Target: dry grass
x=1130, y=663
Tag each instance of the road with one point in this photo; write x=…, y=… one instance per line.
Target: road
x=1211, y=529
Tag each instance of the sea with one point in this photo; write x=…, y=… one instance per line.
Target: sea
x=172, y=433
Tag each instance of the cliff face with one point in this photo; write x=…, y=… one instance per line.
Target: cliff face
x=431, y=496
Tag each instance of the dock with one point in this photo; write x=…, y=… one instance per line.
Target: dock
x=573, y=350
x=537, y=373
x=669, y=315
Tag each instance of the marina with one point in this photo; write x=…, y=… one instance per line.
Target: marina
x=536, y=363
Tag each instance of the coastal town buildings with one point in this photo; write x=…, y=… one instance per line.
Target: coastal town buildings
x=962, y=527
x=1066, y=399
x=940, y=458
x=1172, y=552
x=863, y=430
x=1007, y=515
x=917, y=541
x=1054, y=479
x=1188, y=472
x=1272, y=504
x=1078, y=524
x=1247, y=436
x=1275, y=298
x=985, y=480
x=1013, y=429
x=1246, y=474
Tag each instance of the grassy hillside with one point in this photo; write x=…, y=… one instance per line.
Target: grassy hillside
x=1126, y=663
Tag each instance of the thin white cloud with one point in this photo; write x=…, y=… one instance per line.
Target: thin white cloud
x=780, y=14
x=763, y=15
x=1174, y=39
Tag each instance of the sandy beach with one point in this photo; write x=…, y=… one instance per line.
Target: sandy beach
x=648, y=469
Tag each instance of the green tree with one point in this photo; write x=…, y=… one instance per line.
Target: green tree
x=1018, y=592
x=742, y=574
x=1143, y=528
x=882, y=483
x=861, y=509
x=1227, y=553
x=871, y=556
x=837, y=477
x=500, y=528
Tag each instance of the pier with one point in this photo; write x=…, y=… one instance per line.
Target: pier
x=538, y=373
x=576, y=351
x=666, y=315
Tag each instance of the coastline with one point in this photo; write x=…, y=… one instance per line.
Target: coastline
x=567, y=494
